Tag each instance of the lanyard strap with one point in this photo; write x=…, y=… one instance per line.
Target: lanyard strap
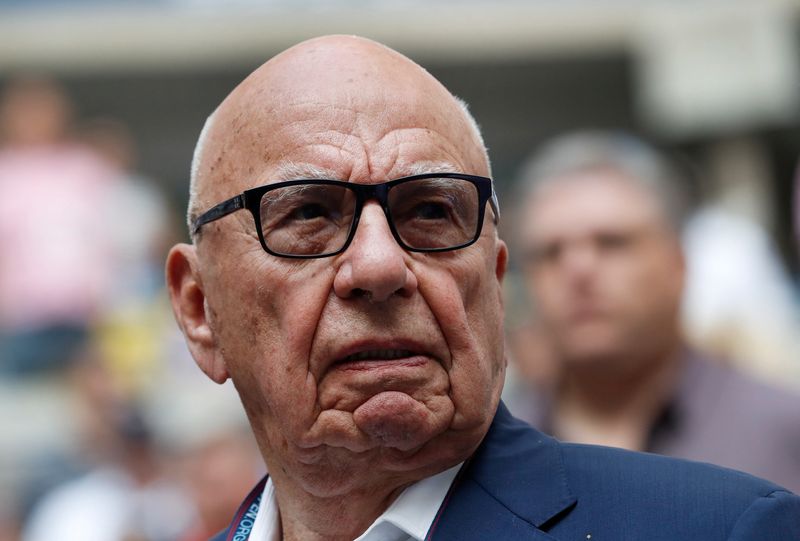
x=245, y=516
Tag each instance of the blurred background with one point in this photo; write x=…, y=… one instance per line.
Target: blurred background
x=107, y=424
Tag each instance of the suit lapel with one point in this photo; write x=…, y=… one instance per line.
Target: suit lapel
x=513, y=485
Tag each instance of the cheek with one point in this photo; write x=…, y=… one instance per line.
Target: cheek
x=484, y=308
x=264, y=335
x=464, y=297
x=547, y=291
x=661, y=287
x=634, y=277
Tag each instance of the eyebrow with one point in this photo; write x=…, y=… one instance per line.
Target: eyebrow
x=422, y=168
x=288, y=192
x=296, y=171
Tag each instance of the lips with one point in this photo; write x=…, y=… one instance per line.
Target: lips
x=378, y=355
x=588, y=314
x=372, y=353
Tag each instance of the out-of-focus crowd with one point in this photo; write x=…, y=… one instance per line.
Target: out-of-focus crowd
x=648, y=324
x=107, y=432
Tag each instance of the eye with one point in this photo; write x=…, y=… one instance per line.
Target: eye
x=544, y=254
x=309, y=211
x=614, y=241
x=430, y=211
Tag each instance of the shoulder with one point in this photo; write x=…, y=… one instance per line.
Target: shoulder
x=616, y=494
x=645, y=493
x=707, y=371
x=759, y=408
x=594, y=469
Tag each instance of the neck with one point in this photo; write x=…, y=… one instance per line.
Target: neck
x=615, y=407
x=343, y=516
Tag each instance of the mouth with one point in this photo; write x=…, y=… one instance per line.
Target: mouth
x=366, y=356
x=588, y=312
x=378, y=355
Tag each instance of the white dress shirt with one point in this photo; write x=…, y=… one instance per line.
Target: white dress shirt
x=408, y=518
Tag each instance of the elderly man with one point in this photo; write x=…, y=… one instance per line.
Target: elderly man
x=360, y=319
x=605, y=270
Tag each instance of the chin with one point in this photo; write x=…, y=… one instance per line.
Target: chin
x=593, y=348
x=341, y=472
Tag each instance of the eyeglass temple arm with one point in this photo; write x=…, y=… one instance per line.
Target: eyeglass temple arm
x=495, y=206
x=218, y=211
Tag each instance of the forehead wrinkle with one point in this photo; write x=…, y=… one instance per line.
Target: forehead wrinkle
x=329, y=131
x=364, y=115
x=441, y=140
x=444, y=160
x=341, y=119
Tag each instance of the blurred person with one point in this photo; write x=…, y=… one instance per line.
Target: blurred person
x=345, y=273
x=217, y=471
x=123, y=500
x=124, y=493
x=10, y=527
x=131, y=324
x=601, y=230
x=55, y=263
x=141, y=243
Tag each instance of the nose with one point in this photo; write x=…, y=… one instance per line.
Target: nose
x=579, y=261
x=374, y=265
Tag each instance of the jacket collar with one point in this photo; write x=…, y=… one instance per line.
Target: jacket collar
x=512, y=487
x=523, y=469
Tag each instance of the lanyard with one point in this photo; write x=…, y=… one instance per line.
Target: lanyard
x=245, y=517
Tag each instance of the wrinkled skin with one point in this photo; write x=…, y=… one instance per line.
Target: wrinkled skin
x=342, y=439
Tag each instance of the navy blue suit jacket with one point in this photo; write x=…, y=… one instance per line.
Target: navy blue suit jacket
x=524, y=485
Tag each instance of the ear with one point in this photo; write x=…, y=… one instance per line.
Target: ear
x=189, y=305
x=501, y=260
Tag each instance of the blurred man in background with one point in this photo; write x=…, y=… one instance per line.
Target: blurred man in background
x=601, y=230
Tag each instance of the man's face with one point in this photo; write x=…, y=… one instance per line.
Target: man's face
x=376, y=361
x=603, y=267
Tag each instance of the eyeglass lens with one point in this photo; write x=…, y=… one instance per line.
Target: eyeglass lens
x=316, y=219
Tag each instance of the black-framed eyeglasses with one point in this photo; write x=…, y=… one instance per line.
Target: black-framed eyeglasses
x=433, y=212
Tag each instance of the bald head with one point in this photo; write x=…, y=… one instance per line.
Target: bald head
x=352, y=85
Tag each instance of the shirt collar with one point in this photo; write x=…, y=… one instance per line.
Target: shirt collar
x=409, y=517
